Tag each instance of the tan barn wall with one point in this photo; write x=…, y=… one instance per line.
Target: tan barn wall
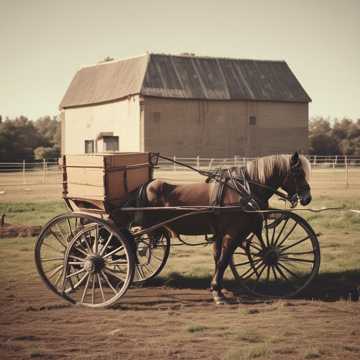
x=122, y=118
x=221, y=128
x=280, y=128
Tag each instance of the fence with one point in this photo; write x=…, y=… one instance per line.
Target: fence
x=203, y=163
x=44, y=178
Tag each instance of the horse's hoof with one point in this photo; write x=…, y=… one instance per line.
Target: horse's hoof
x=219, y=298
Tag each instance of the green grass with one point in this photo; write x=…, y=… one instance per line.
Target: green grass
x=34, y=213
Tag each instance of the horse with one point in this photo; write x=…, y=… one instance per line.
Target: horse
x=230, y=229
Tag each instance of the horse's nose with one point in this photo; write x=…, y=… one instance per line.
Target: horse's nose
x=305, y=199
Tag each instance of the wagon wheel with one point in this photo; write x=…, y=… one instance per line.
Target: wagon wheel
x=283, y=262
x=51, y=245
x=152, y=252
x=99, y=266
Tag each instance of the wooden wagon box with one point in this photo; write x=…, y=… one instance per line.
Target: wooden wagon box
x=99, y=182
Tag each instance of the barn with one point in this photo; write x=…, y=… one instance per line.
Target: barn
x=185, y=105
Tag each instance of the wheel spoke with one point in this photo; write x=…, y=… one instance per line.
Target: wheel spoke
x=59, y=277
x=55, y=236
x=254, y=271
x=140, y=271
x=72, y=234
x=248, y=262
x=93, y=289
x=80, y=248
x=106, y=244
x=52, y=248
x=113, y=251
x=85, y=289
x=75, y=273
x=108, y=281
x=77, y=258
x=255, y=247
x=274, y=272
x=100, y=287
x=296, y=259
x=294, y=244
x=79, y=282
x=287, y=235
x=281, y=273
x=55, y=271
x=299, y=253
x=96, y=240
x=118, y=261
x=288, y=270
x=53, y=259
x=75, y=262
x=280, y=233
x=110, y=272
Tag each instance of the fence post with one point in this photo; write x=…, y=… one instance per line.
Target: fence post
x=235, y=158
x=44, y=169
x=347, y=172
x=198, y=162
x=23, y=172
x=174, y=158
x=210, y=164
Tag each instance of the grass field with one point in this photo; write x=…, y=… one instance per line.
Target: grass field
x=175, y=318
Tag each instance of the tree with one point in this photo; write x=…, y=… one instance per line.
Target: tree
x=47, y=153
x=18, y=138
x=49, y=129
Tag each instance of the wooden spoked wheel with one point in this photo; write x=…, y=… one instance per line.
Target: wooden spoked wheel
x=51, y=246
x=152, y=252
x=58, y=241
x=99, y=266
x=283, y=262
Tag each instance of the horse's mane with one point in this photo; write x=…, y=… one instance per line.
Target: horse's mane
x=262, y=168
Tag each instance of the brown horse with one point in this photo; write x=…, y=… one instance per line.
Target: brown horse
x=230, y=229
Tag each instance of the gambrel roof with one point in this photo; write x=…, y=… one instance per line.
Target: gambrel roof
x=184, y=77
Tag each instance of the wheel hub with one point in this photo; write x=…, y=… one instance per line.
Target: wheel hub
x=271, y=256
x=94, y=263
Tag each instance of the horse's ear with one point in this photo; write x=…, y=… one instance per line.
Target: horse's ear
x=294, y=159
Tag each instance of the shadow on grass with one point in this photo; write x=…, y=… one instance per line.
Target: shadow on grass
x=327, y=286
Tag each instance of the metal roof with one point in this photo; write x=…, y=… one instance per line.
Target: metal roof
x=185, y=77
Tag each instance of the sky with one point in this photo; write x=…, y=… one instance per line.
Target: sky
x=44, y=42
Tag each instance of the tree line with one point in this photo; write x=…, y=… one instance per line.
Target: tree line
x=23, y=139
x=334, y=137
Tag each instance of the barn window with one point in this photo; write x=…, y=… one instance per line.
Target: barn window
x=252, y=120
x=89, y=146
x=111, y=143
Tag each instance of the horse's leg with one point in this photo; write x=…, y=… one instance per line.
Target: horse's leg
x=229, y=244
x=216, y=293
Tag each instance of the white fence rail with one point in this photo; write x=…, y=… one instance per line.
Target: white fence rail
x=15, y=174
x=317, y=161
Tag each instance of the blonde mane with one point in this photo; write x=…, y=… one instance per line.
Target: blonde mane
x=262, y=168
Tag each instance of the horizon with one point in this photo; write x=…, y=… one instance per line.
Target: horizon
x=45, y=43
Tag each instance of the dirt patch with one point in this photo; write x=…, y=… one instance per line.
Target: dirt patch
x=169, y=323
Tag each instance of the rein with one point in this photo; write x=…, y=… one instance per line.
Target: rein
x=214, y=176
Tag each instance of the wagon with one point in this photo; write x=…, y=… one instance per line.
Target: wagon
x=94, y=253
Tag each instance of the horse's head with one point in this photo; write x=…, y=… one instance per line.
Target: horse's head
x=296, y=181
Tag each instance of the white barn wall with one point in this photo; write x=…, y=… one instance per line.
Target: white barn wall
x=85, y=123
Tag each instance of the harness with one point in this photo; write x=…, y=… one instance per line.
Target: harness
x=235, y=179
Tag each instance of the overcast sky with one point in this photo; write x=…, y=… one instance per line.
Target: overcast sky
x=44, y=42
